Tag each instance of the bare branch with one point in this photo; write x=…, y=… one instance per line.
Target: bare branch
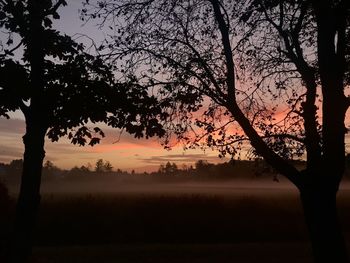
x=257, y=142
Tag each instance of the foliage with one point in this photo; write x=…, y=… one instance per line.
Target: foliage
x=256, y=64
x=230, y=74
x=80, y=89
x=176, y=47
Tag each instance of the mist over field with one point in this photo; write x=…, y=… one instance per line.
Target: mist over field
x=168, y=186
x=230, y=212
x=143, y=218
x=156, y=186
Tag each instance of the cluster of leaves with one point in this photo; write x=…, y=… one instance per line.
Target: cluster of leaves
x=80, y=89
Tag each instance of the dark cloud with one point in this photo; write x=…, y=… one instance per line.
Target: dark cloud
x=12, y=126
x=64, y=150
x=11, y=146
x=9, y=153
x=181, y=158
x=115, y=136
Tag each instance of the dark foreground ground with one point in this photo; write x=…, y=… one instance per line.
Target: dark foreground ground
x=165, y=223
x=180, y=253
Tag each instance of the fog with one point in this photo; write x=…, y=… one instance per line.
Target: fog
x=168, y=186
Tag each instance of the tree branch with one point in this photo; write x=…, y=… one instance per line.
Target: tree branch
x=291, y=41
x=257, y=142
x=7, y=52
x=54, y=9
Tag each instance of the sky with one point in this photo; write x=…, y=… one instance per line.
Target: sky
x=126, y=154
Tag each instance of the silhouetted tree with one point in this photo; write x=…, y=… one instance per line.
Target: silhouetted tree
x=15, y=166
x=51, y=171
x=171, y=168
x=103, y=166
x=108, y=166
x=49, y=165
x=202, y=165
x=58, y=87
x=203, y=168
x=264, y=65
x=99, y=166
x=85, y=169
x=168, y=169
x=161, y=169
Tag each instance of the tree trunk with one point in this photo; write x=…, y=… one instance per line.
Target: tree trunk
x=321, y=217
x=29, y=196
x=34, y=139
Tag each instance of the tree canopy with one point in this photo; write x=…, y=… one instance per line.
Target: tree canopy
x=247, y=72
x=62, y=90
x=78, y=87
x=271, y=73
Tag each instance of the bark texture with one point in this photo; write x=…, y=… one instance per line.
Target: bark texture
x=29, y=197
x=320, y=210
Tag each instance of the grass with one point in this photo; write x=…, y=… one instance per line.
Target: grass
x=176, y=223
x=179, y=253
x=167, y=219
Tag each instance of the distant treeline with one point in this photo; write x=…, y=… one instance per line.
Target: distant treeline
x=202, y=170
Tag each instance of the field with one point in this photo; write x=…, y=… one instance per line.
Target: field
x=177, y=222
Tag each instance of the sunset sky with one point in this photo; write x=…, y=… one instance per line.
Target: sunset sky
x=127, y=154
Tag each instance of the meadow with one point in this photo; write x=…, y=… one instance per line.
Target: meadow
x=174, y=222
